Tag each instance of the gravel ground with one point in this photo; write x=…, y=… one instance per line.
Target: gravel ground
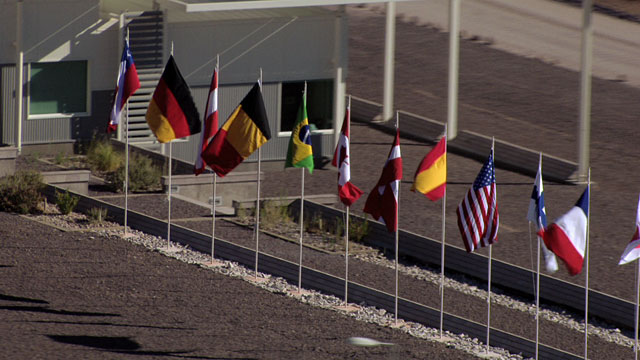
x=523, y=101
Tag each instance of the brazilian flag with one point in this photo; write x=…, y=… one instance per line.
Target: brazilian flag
x=300, y=153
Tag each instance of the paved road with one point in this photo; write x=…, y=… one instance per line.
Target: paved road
x=542, y=29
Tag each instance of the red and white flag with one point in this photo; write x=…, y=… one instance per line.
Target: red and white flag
x=478, y=212
x=127, y=84
x=210, y=122
x=632, y=251
x=347, y=192
x=382, y=202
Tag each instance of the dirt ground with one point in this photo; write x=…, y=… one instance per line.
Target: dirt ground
x=68, y=295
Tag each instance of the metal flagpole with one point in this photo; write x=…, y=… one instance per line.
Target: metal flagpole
x=444, y=206
x=346, y=259
x=301, y=211
x=126, y=165
x=301, y=231
x=493, y=142
x=586, y=285
x=169, y=198
x=397, y=233
x=537, y=279
x=215, y=180
x=635, y=346
x=258, y=195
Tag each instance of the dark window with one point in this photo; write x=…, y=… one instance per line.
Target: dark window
x=58, y=88
x=319, y=103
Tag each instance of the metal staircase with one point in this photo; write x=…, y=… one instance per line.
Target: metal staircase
x=146, y=44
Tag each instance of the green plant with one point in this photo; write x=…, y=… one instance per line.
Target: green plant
x=358, y=229
x=61, y=159
x=144, y=175
x=273, y=214
x=102, y=157
x=20, y=192
x=66, y=202
x=97, y=215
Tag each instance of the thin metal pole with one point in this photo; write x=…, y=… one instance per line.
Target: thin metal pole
x=213, y=217
x=19, y=75
x=586, y=255
x=169, y=198
x=635, y=347
x=389, y=51
x=397, y=231
x=258, y=197
x=444, y=207
x=301, y=230
x=454, y=59
x=489, y=298
x=346, y=260
x=126, y=167
x=585, y=90
x=537, y=294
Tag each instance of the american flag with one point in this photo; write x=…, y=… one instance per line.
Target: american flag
x=478, y=211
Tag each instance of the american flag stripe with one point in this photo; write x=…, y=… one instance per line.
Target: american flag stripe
x=478, y=212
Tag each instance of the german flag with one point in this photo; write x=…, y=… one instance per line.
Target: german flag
x=246, y=130
x=172, y=114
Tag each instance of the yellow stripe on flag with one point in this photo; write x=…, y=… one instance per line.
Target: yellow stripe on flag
x=243, y=134
x=159, y=124
x=432, y=177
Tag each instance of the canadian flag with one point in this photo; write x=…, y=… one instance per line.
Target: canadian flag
x=382, y=202
x=632, y=251
x=210, y=122
x=347, y=192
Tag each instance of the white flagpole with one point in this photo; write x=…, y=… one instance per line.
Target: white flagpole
x=397, y=232
x=444, y=206
x=346, y=242
x=635, y=347
x=169, y=197
x=346, y=260
x=126, y=166
x=586, y=285
x=537, y=278
x=301, y=209
x=493, y=141
x=215, y=179
x=301, y=231
x=258, y=197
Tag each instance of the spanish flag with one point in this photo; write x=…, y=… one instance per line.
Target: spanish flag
x=246, y=130
x=172, y=114
x=431, y=176
x=300, y=152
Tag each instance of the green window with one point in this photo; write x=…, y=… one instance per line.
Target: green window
x=319, y=103
x=58, y=88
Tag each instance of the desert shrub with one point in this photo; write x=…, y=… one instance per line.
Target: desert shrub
x=97, y=215
x=66, y=202
x=144, y=175
x=102, y=157
x=273, y=214
x=358, y=229
x=21, y=192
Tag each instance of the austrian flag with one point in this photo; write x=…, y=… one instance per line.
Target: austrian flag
x=382, y=202
x=632, y=250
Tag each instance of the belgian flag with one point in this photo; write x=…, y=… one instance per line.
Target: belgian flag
x=172, y=114
x=246, y=130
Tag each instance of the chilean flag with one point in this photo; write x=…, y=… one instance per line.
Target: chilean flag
x=632, y=251
x=567, y=236
x=127, y=84
x=347, y=192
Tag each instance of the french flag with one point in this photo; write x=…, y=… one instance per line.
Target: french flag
x=567, y=236
x=632, y=251
x=127, y=84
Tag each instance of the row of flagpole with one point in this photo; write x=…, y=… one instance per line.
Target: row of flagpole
x=478, y=219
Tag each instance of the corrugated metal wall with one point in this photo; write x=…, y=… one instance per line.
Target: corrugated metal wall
x=7, y=107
